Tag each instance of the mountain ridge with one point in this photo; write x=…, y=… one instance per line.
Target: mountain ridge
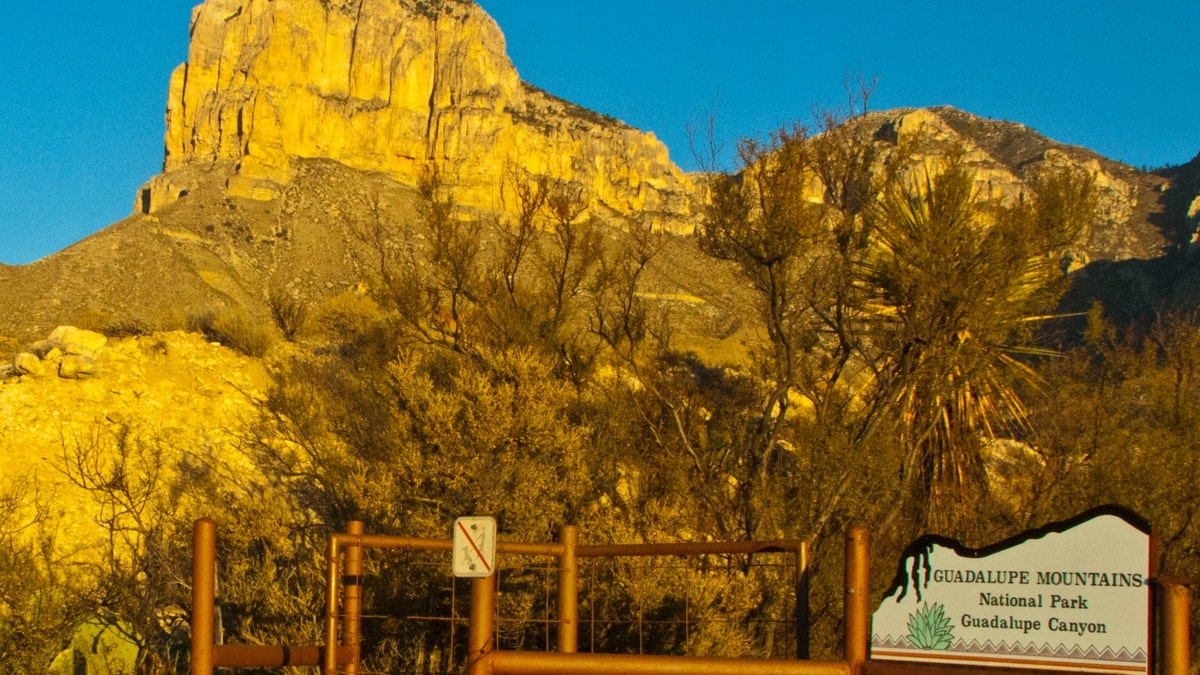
x=263, y=188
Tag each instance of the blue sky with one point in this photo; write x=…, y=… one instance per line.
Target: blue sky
x=83, y=83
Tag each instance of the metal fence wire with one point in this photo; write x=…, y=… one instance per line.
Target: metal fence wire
x=414, y=616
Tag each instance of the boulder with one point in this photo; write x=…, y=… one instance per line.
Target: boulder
x=27, y=363
x=77, y=341
x=78, y=367
x=68, y=340
x=43, y=347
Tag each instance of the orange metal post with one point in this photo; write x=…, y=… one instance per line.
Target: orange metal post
x=1174, y=643
x=854, y=649
x=352, y=597
x=568, y=592
x=204, y=589
x=482, y=629
x=329, y=665
x=803, y=615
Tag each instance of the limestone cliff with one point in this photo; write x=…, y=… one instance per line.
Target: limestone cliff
x=393, y=86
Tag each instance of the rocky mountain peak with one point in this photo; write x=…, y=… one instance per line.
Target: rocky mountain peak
x=1137, y=218
x=397, y=87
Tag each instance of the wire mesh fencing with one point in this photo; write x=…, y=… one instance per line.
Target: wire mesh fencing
x=415, y=613
x=708, y=605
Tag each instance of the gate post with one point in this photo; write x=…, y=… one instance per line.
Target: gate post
x=568, y=592
x=329, y=665
x=352, y=603
x=857, y=613
x=1174, y=642
x=482, y=630
x=204, y=586
x=803, y=614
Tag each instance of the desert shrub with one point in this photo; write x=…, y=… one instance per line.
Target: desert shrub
x=36, y=611
x=148, y=498
x=172, y=319
x=104, y=322
x=404, y=443
x=1118, y=424
x=290, y=313
x=36, y=607
x=235, y=329
x=131, y=327
x=357, y=329
x=93, y=319
x=345, y=316
x=155, y=345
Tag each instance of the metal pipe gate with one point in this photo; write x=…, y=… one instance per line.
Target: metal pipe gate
x=344, y=570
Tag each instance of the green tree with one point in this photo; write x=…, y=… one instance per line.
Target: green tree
x=796, y=219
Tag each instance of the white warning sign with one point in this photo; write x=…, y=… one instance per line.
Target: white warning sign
x=474, y=546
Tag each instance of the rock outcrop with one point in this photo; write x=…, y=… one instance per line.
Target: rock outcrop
x=398, y=87
x=1134, y=220
x=68, y=352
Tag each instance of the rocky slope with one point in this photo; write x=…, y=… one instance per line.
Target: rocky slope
x=1138, y=257
x=212, y=249
x=173, y=394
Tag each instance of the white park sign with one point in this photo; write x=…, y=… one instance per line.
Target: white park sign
x=1072, y=595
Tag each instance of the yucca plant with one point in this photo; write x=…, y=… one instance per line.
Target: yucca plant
x=962, y=282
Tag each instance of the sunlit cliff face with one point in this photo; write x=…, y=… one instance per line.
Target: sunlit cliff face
x=399, y=90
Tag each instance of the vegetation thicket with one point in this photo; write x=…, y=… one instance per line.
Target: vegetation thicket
x=514, y=368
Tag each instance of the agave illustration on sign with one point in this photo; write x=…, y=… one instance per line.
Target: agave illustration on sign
x=929, y=628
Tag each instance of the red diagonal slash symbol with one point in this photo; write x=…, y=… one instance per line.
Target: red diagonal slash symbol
x=471, y=541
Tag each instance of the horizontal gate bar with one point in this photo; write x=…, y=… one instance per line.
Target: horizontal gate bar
x=688, y=548
x=256, y=656
x=539, y=663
